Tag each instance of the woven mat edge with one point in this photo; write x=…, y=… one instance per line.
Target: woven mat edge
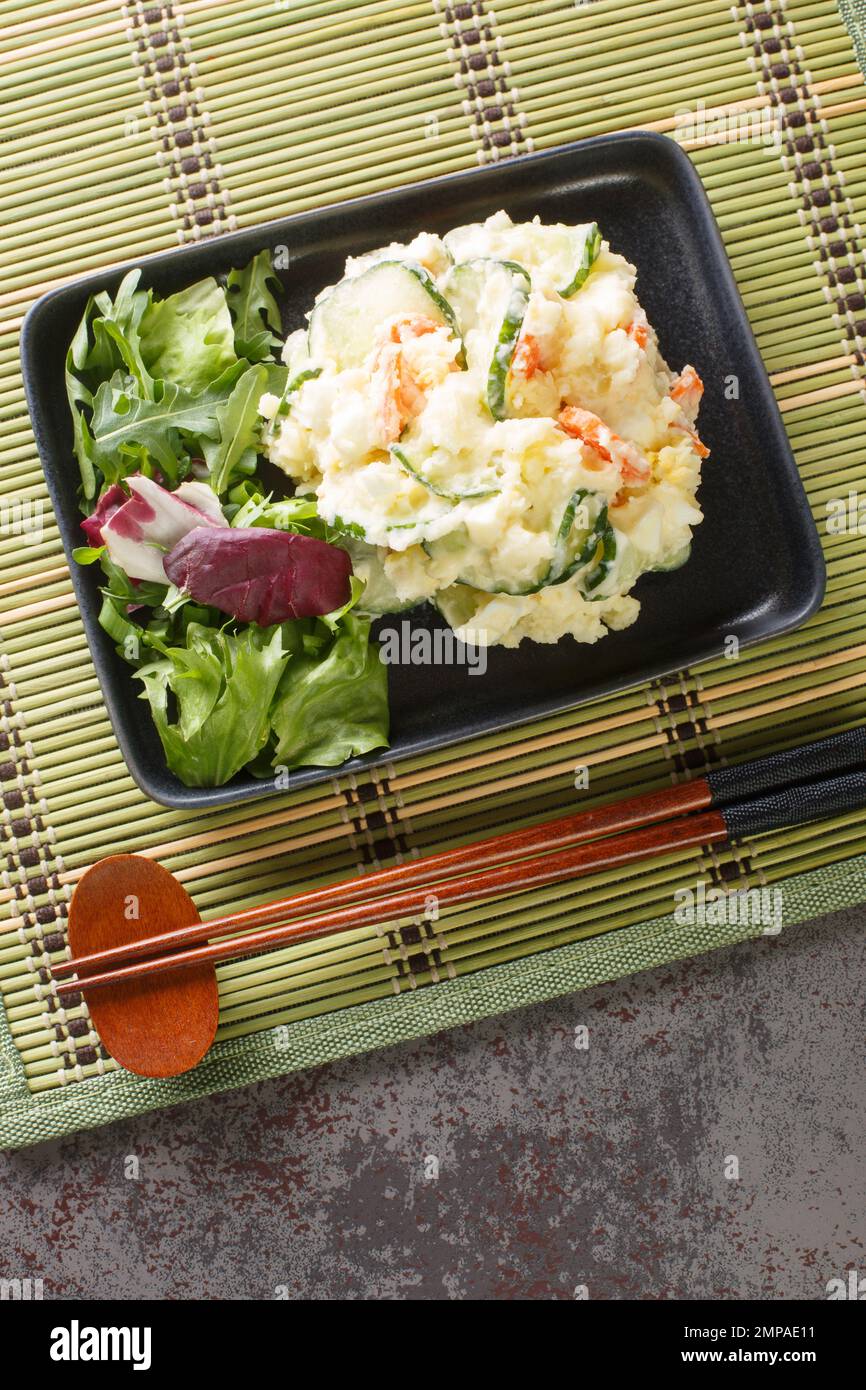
x=27, y=1119
x=853, y=14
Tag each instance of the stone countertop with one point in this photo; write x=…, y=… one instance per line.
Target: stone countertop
x=501, y=1160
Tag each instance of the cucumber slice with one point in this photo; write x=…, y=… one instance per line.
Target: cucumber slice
x=450, y=496
x=294, y=386
x=344, y=325
x=676, y=561
x=490, y=299
x=605, y=560
x=565, y=253
x=586, y=259
x=574, y=548
x=379, y=594
x=571, y=553
x=457, y=604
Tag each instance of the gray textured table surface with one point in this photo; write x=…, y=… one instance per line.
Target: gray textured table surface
x=559, y=1167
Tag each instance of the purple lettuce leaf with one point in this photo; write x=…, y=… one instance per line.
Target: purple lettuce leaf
x=139, y=528
x=260, y=576
x=111, y=500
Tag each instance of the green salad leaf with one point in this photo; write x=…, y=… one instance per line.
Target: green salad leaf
x=332, y=704
x=189, y=338
x=79, y=396
x=240, y=427
x=87, y=554
x=253, y=306
x=106, y=341
x=283, y=514
x=223, y=684
x=154, y=384
x=115, y=340
x=123, y=424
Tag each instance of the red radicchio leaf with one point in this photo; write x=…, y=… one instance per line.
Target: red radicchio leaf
x=111, y=501
x=258, y=575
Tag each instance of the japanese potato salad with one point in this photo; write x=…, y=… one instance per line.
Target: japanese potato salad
x=481, y=420
x=488, y=418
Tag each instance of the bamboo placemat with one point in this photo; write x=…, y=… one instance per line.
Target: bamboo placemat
x=129, y=128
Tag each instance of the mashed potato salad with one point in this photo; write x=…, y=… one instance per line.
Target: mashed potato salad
x=487, y=418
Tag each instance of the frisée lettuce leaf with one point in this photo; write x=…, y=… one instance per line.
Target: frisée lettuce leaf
x=222, y=684
x=332, y=705
x=266, y=699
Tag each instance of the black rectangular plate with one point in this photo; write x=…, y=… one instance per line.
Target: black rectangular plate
x=756, y=568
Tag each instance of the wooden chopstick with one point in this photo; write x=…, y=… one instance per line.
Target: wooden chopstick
x=548, y=868
x=652, y=824
x=647, y=809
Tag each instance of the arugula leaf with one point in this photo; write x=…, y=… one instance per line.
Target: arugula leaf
x=298, y=513
x=188, y=338
x=252, y=304
x=333, y=706
x=116, y=333
x=239, y=430
x=79, y=396
x=121, y=421
x=105, y=341
x=223, y=685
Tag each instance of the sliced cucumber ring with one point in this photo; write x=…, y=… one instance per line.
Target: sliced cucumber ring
x=294, y=386
x=587, y=257
x=581, y=541
x=344, y=325
x=450, y=496
x=490, y=299
x=676, y=561
x=566, y=253
x=605, y=560
x=379, y=594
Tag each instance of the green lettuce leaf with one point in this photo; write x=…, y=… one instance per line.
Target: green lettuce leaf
x=117, y=333
x=332, y=705
x=188, y=338
x=223, y=685
x=138, y=347
x=253, y=305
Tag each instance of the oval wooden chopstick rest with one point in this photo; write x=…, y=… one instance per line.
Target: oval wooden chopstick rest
x=164, y=1024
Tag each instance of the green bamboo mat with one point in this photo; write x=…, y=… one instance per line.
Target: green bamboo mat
x=130, y=128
